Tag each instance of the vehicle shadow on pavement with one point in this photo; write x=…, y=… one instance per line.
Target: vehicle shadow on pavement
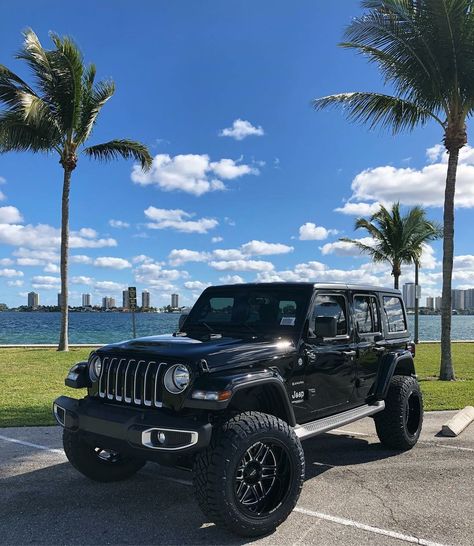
x=57, y=505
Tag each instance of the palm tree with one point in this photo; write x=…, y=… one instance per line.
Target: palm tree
x=58, y=115
x=397, y=239
x=425, y=50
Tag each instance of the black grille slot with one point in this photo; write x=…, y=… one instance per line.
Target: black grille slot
x=131, y=381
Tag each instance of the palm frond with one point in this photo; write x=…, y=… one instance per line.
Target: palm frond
x=17, y=134
x=93, y=101
x=127, y=149
x=376, y=254
x=377, y=109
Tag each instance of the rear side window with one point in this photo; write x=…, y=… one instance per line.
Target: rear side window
x=366, y=314
x=394, y=312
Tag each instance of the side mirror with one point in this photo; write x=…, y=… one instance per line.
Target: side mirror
x=325, y=327
x=182, y=319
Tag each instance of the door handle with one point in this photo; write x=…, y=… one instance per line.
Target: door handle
x=350, y=353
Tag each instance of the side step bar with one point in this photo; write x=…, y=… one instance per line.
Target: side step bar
x=334, y=421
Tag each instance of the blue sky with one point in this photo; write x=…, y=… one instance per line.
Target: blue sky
x=247, y=177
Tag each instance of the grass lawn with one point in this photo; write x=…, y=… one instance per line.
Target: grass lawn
x=30, y=379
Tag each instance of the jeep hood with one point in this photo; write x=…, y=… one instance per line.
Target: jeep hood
x=219, y=353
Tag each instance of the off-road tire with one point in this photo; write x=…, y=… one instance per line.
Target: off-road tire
x=84, y=458
x=399, y=424
x=217, y=470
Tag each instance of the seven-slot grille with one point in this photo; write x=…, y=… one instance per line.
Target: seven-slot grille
x=131, y=381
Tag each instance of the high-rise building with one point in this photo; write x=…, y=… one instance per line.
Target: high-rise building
x=430, y=302
x=33, y=300
x=438, y=303
x=126, y=299
x=59, y=299
x=457, y=299
x=145, y=299
x=108, y=303
x=409, y=295
x=86, y=300
x=174, y=301
x=469, y=299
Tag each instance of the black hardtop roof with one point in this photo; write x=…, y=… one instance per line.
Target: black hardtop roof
x=315, y=285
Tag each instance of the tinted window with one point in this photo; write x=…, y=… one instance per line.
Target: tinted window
x=331, y=306
x=366, y=315
x=250, y=309
x=217, y=310
x=394, y=313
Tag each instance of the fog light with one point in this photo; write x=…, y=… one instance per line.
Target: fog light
x=161, y=437
x=59, y=414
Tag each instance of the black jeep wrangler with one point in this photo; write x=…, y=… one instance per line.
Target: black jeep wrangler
x=253, y=370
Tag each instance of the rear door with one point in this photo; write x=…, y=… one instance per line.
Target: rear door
x=368, y=327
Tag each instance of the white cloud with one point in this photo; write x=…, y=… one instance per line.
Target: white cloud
x=181, y=256
x=242, y=265
x=51, y=268
x=142, y=258
x=118, y=224
x=179, y=220
x=155, y=275
x=113, y=263
x=2, y=196
x=10, y=273
x=228, y=169
x=108, y=286
x=217, y=239
x=10, y=215
x=196, y=285
x=312, y=232
x=80, y=259
x=44, y=236
x=6, y=261
x=190, y=173
x=343, y=248
x=262, y=248
x=359, y=209
x=15, y=283
x=81, y=279
x=232, y=279
x=228, y=254
x=46, y=282
x=414, y=186
x=241, y=129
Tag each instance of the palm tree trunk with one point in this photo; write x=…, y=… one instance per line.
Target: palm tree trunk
x=417, y=305
x=446, y=372
x=63, y=338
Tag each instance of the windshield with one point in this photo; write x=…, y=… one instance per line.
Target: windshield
x=250, y=309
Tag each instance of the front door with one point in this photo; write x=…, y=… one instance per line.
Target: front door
x=330, y=362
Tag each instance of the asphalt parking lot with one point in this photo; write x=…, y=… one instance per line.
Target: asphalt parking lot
x=355, y=493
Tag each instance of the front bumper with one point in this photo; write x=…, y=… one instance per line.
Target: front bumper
x=146, y=432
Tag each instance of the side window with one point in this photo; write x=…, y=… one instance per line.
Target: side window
x=394, y=312
x=331, y=306
x=366, y=314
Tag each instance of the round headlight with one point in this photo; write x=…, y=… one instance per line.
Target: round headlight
x=95, y=367
x=176, y=378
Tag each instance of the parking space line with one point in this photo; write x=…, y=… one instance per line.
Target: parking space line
x=29, y=444
x=369, y=528
x=460, y=448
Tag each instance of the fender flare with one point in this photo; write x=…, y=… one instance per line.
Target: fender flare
x=392, y=363
x=266, y=378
